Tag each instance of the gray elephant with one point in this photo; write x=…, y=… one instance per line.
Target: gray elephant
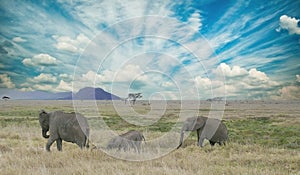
x=207, y=128
x=126, y=141
x=70, y=127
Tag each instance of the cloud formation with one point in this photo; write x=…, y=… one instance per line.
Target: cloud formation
x=5, y=81
x=19, y=39
x=126, y=74
x=290, y=24
x=195, y=21
x=40, y=60
x=44, y=78
x=238, y=82
x=49, y=37
x=298, y=78
x=66, y=43
x=225, y=70
x=64, y=86
x=290, y=93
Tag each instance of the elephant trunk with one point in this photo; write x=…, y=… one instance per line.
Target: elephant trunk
x=181, y=139
x=44, y=133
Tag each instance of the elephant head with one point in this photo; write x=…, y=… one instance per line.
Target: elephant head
x=191, y=124
x=212, y=129
x=44, y=122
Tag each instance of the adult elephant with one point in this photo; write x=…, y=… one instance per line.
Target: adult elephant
x=207, y=128
x=70, y=127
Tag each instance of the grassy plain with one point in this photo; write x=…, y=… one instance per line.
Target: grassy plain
x=264, y=139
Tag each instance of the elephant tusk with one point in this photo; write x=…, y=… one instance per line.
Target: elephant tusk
x=44, y=133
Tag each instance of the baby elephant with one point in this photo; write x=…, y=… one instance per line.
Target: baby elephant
x=70, y=127
x=211, y=129
x=131, y=139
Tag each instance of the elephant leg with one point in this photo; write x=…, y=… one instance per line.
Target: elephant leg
x=49, y=143
x=79, y=144
x=222, y=143
x=200, y=139
x=200, y=143
x=133, y=145
x=212, y=143
x=139, y=146
x=198, y=135
x=59, y=144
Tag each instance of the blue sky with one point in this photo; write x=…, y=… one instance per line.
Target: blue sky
x=164, y=49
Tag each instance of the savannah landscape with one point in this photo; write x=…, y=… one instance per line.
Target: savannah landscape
x=263, y=139
x=86, y=56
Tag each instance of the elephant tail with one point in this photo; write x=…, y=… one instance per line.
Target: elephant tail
x=88, y=143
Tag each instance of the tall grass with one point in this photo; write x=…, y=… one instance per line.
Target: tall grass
x=263, y=144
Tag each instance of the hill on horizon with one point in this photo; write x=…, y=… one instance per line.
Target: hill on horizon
x=87, y=93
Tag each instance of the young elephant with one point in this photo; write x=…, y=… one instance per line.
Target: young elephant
x=130, y=139
x=207, y=128
x=70, y=127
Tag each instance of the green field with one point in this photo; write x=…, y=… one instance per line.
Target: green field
x=263, y=139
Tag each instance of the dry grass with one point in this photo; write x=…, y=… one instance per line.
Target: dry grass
x=233, y=159
x=22, y=147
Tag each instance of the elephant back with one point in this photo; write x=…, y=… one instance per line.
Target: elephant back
x=221, y=134
x=70, y=126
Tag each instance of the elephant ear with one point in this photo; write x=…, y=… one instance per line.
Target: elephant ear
x=42, y=111
x=200, y=121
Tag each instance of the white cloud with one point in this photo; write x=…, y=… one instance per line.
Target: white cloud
x=43, y=87
x=239, y=83
x=66, y=46
x=71, y=45
x=19, y=40
x=290, y=24
x=202, y=82
x=258, y=75
x=195, y=21
x=93, y=76
x=64, y=86
x=40, y=59
x=298, y=78
x=43, y=78
x=5, y=81
x=225, y=70
x=126, y=74
x=28, y=62
x=167, y=84
x=290, y=92
x=209, y=87
x=82, y=39
x=65, y=76
x=129, y=73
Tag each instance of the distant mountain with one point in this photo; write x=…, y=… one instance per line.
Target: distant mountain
x=90, y=93
x=87, y=93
